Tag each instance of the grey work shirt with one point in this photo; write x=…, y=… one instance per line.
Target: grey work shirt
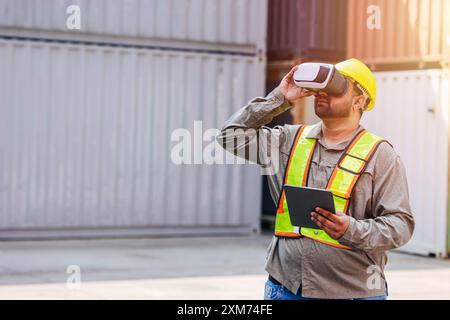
x=380, y=211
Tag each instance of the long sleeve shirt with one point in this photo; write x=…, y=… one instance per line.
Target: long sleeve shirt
x=380, y=211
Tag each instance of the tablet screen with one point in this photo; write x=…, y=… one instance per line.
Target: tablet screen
x=302, y=201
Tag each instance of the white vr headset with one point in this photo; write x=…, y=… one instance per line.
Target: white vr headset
x=320, y=77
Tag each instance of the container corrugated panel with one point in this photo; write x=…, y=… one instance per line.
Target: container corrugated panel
x=307, y=28
x=217, y=21
x=411, y=31
x=86, y=141
x=412, y=112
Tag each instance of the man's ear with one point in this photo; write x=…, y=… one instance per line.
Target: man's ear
x=359, y=102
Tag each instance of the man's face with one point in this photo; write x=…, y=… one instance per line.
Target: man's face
x=332, y=107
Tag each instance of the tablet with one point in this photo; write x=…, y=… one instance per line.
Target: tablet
x=302, y=201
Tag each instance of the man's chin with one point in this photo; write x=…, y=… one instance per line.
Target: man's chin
x=322, y=110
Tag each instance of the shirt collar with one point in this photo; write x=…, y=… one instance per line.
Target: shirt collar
x=316, y=133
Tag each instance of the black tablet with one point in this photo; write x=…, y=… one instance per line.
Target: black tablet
x=302, y=201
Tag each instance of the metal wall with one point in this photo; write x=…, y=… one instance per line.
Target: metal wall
x=86, y=141
x=307, y=28
x=412, y=31
x=412, y=112
x=88, y=116
x=186, y=23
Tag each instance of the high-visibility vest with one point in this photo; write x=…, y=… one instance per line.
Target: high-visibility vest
x=345, y=175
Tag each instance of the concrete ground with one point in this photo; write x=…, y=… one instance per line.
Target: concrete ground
x=175, y=268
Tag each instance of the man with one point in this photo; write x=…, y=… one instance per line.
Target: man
x=346, y=258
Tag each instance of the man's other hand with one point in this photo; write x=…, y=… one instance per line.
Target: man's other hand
x=333, y=224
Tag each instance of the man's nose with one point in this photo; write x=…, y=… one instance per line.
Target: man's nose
x=322, y=94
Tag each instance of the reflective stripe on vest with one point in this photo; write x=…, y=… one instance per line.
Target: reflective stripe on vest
x=341, y=183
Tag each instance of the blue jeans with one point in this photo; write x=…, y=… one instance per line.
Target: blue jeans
x=275, y=291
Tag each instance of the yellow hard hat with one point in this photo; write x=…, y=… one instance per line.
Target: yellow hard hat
x=359, y=72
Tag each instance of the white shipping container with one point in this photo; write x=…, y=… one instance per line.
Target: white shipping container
x=412, y=112
x=86, y=141
x=186, y=23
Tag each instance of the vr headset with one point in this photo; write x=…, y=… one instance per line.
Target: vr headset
x=320, y=77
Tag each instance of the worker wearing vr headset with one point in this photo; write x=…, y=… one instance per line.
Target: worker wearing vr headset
x=346, y=257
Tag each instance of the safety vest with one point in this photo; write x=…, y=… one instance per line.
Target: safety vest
x=345, y=175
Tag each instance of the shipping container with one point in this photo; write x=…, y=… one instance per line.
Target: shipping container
x=311, y=29
x=227, y=25
x=86, y=140
x=412, y=34
x=412, y=112
x=387, y=35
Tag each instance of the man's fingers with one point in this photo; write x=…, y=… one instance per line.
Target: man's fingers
x=290, y=75
x=323, y=222
x=323, y=227
x=307, y=93
x=293, y=70
x=327, y=214
x=333, y=224
x=319, y=224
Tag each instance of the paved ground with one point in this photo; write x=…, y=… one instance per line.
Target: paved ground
x=176, y=268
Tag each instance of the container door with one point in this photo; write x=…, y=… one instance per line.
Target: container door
x=412, y=112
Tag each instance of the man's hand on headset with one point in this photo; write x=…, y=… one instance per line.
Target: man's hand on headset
x=290, y=90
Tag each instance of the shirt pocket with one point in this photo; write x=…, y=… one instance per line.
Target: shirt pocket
x=320, y=173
